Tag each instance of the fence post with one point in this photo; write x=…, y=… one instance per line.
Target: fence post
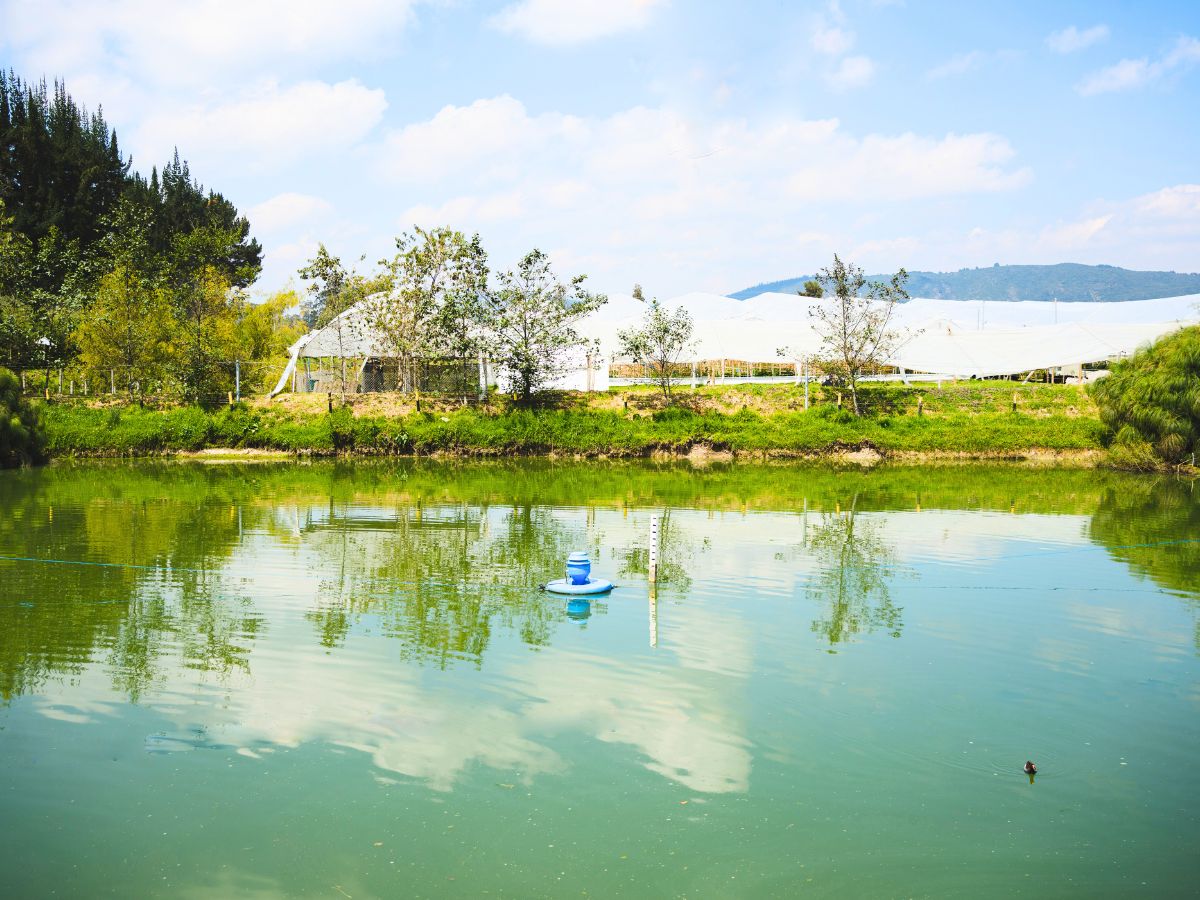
x=237, y=380
x=22, y=381
x=60, y=381
x=806, y=373
x=112, y=381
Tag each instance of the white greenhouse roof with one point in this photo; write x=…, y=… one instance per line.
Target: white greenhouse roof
x=950, y=337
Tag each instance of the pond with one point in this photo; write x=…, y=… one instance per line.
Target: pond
x=336, y=680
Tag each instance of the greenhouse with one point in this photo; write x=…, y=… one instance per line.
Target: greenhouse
x=937, y=338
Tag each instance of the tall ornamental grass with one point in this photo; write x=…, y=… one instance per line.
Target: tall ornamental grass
x=1151, y=402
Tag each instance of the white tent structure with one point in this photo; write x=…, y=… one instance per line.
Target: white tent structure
x=952, y=338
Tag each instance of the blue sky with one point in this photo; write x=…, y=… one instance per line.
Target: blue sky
x=684, y=145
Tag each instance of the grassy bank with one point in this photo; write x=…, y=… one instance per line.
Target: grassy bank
x=971, y=419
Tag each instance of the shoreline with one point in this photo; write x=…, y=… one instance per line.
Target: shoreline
x=698, y=455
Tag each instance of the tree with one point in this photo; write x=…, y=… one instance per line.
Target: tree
x=533, y=318
x=265, y=331
x=812, y=288
x=206, y=315
x=22, y=437
x=854, y=328
x=128, y=326
x=333, y=291
x=17, y=321
x=1151, y=401
x=659, y=343
x=434, y=303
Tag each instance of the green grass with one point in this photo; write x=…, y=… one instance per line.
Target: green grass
x=86, y=431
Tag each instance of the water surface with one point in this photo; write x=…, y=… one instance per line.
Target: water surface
x=342, y=680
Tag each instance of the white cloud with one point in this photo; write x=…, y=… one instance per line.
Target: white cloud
x=565, y=22
x=1071, y=39
x=1135, y=73
x=1179, y=202
x=195, y=43
x=852, y=72
x=288, y=210
x=909, y=167
x=959, y=64
x=655, y=190
x=831, y=40
x=1150, y=231
x=1074, y=235
x=266, y=126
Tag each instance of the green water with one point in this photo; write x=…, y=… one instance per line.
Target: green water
x=342, y=681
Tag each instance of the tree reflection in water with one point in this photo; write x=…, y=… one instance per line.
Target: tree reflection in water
x=854, y=566
x=441, y=578
x=1153, y=526
x=152, y=590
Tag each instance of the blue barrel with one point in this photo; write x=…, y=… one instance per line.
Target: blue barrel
x=579, y=568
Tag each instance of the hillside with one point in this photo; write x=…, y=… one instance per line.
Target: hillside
x=1064, y=281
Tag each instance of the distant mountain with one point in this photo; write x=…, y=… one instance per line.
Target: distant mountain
x=1065, y=281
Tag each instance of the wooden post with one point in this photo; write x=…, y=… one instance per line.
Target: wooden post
x=807, y=372
x=920, y=403
x=237, y=379
x=22, y=381
x=329, y=398
x=230, y=399
x=1014, y=407
x=112, y=381
x=60, y=382
x=653, y=567
x=839, y=399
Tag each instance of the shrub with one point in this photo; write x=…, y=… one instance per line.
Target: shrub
x=22, y=435
x=1152, y=400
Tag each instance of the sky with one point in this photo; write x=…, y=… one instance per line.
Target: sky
x=685, y=146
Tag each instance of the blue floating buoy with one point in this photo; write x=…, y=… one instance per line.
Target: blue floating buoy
x=579, y=580
x=579, y=568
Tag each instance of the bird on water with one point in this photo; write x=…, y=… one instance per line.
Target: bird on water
x=1030, y=768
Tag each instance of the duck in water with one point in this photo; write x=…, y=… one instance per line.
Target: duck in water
x=1030, y=768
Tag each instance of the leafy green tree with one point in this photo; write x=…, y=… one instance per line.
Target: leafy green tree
x=327, y=289
x=434, y=306
x=22, y=437
x=1151, y=401
x=855, y=327
x=533, y=319
x=812, y=288
x=127, y=327
x=333, y=291
x=17, y=321
x=265, y=331
x=659, y=343
x=206, y=316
